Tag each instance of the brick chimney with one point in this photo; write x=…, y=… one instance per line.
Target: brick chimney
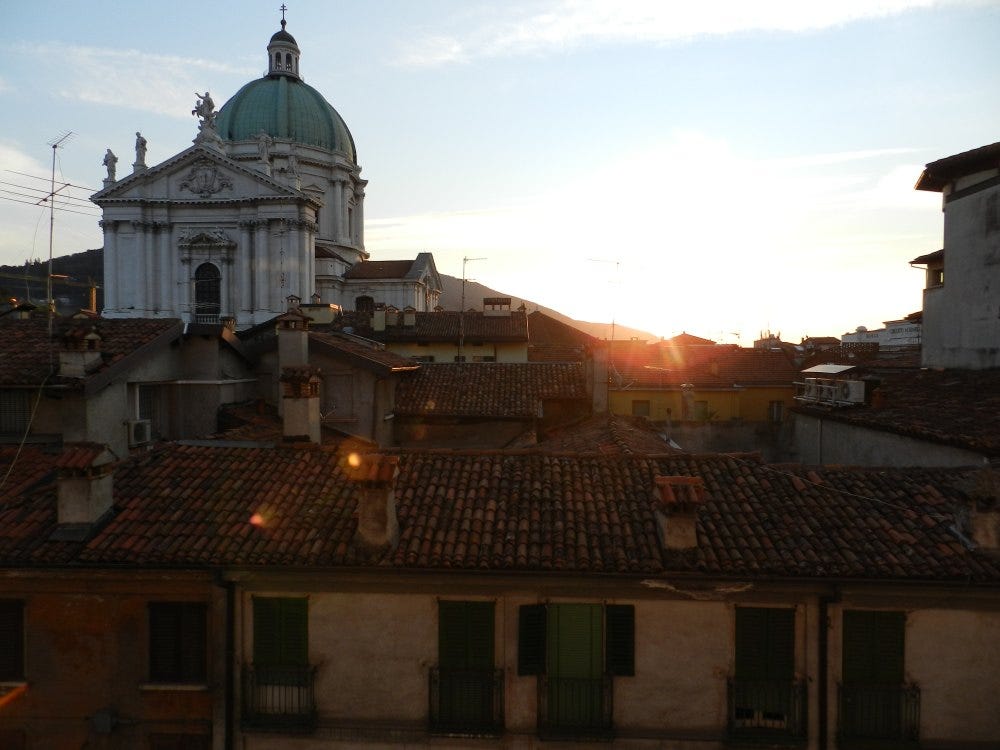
x=80, y=353
x=84, y=484
x=300, y=402
x=375, y=476
x=293, y=338
x=679, y=498
x=984, y=513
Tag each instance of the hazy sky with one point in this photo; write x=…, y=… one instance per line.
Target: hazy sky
x=711, y=167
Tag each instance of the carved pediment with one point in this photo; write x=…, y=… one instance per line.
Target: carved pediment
x=207, y=238
x=205, y=179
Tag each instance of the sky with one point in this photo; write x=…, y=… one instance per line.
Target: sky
x=721, y=168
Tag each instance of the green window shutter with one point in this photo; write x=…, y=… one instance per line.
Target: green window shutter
x=11, y=640
x=890, y=628
x=465, y=635
x=873, y=647
x=281, y=632
x=620, y=647
x=765, y=644
x=531, y=639
x=575, y=647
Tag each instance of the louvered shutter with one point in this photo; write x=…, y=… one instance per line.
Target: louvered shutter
x=193, y=642
x=480, y=617
x=452, y=629
x=281, y=633
x=620, y=648
x=780, y=644
x=11, y=640
x=164, y=625
x=873, y=647
x=531, y=639
x=295, y=632
x=765, y=644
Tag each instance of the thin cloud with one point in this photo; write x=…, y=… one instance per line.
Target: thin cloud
x=160, y=84
x=568, y=24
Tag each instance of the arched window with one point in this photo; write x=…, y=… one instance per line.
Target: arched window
x=288, y=61
x=277, y=61
x=207, y=294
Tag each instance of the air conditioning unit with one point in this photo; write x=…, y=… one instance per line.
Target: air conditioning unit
x=812, y=391
x=140, y=432
x=852, y=391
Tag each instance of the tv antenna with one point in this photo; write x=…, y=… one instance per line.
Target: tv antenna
x=55, y=143
x=461, y=312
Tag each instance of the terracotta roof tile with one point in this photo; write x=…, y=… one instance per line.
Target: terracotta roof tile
x=489, y=389
x=200, y=506
x=26, y=358
x=441, y=326
x=951, y=407
x=379, y=269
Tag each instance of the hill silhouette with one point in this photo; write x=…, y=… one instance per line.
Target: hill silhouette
x=76, y=272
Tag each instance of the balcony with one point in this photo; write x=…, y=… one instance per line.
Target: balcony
x=279, y=698
x=575, y=707
x=466, y=702
x=767, y=710
x=879, y=715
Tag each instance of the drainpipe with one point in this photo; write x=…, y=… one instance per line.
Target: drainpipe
x=823, y=668
x=230, y=649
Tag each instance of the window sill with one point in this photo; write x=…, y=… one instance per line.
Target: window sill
x=183, y=687
x=6, y=685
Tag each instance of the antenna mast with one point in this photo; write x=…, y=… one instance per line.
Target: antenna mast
x=461, y=313
x=56, y=143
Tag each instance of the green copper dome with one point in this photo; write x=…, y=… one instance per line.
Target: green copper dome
x=284, y=107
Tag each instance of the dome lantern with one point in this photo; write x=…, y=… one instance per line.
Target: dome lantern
x=283, y=52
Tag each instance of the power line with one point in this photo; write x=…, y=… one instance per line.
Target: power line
x=46, y=179
x=35, y=204
x=42, y=197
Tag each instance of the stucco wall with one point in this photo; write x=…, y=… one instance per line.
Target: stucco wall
x=964, y=330
x=824, y=441
x=955, y=658
x=86, y=650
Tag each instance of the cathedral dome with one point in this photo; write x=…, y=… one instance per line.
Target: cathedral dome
x=282, y=105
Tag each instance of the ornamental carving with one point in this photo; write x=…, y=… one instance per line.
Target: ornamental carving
x=205, y=179
x=206, y=244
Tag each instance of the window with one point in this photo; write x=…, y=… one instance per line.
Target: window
x=466, y=690
x=423, y=358
x=459, y=357
x=14, y=411
x=178, y=635
x=280, y=632
x=701, y=412
x=207, y=293
x=640, y=408
x=278, y=686
x=775, y=411
x=576, y=649
x=874, y=702
x=764, y=697
x=11, y=640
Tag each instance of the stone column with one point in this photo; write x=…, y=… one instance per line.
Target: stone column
x=345, y=193
x=262, y=263
x=142, y=279
x=293, y=261
x=338, y=210
x=244, y=282
x=307, y=274
x=359, y=219
x=165, y=272
x=110, y=265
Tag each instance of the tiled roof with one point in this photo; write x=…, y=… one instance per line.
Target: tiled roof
x=551, y=340
x=939, y=173
x=28, y=355
x=867, y=355
x=444, y=326
x=720, y=366
x=367, y=354
x=952, y=407
x=488, y=389
x=379, y=269
x=516, y=511
x=606, y=433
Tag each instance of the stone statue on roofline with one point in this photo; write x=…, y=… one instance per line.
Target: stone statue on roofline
x=204, y=110
x=140, y=152
x=111, y=162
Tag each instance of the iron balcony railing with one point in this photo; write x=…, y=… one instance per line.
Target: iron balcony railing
x=575, y=707
x=879, y=712
x=279, y=698
x=205, y=318
x=767, y=709
x=466, y=701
